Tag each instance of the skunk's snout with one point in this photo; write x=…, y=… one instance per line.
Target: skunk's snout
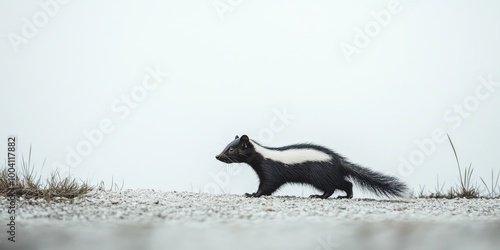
x=223, y=157
x=220, y=157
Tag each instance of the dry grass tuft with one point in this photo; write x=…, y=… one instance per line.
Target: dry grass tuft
x=30, y=185
x=466, y=188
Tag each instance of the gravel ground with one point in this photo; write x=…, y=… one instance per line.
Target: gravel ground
x=145, y=219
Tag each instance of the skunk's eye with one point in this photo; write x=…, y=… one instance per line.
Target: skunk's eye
x=231, y=149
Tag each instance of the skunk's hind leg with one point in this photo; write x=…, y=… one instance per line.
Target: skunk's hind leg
x=347, y=188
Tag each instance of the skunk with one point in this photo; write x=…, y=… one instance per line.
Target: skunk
x=309, y=164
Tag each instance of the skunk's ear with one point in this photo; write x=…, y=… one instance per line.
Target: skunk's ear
x=236, y=137
x=244, y=138
x=244, y=141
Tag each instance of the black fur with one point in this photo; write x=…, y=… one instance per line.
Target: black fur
x=325, y=176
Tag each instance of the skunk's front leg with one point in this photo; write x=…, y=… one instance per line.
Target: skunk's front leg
x=257, y=194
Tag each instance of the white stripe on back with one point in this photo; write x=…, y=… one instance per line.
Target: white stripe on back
x=292, y=156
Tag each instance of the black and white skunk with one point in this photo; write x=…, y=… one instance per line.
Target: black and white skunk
x=307, y=164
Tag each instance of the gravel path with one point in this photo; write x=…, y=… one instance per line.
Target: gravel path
x=145, y=219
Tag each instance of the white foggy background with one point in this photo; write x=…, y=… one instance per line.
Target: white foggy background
x=228, y=77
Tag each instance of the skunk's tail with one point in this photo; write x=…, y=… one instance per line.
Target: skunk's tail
x=380, y=184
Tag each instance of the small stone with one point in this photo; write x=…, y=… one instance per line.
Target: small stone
x=114, y=201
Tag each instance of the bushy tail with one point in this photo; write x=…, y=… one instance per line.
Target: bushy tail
x=380, y=184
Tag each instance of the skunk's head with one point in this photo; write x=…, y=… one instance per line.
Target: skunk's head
x=239, y=150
